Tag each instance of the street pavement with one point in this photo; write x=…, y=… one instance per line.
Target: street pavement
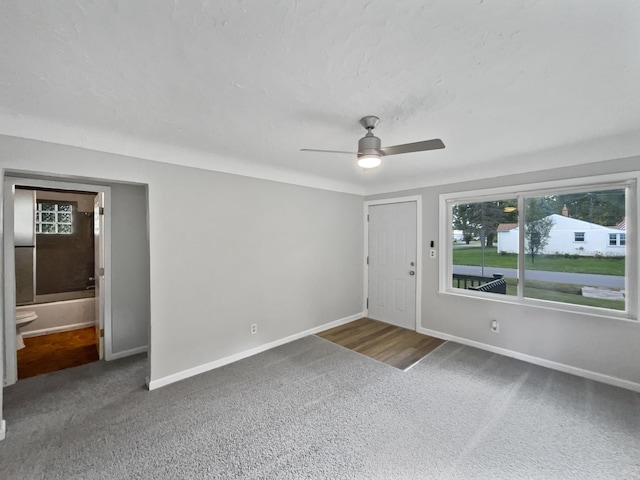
x=609, y=281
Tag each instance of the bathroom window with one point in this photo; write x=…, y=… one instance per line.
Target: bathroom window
x=54, y=218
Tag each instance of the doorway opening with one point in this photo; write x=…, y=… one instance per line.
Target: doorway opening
x=57, y=237
x=55, y=279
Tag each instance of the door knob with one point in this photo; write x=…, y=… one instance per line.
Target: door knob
x=412, y=273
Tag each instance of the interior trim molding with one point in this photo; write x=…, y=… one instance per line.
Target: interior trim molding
x=190, y=372
x=62, y=328
x=39, y=130
x=561, y=367
x=128, y=353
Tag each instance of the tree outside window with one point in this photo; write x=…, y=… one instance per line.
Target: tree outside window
x=537, y=226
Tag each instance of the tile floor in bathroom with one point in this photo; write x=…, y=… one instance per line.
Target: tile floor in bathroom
x=57, y=351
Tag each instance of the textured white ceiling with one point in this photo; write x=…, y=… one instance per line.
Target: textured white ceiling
x=241, y=86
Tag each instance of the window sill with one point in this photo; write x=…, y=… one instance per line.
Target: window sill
x=543, y=304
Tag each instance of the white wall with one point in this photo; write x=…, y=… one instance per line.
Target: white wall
x=596, y=238
x=605, y=346
x=225, y=251
x=508, y=241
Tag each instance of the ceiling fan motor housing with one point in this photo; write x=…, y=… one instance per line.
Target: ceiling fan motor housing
x=369, y=145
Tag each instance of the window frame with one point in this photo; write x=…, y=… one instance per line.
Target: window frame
x=629, y=181
x=619, y=239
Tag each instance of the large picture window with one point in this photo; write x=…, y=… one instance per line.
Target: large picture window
x=566, y=245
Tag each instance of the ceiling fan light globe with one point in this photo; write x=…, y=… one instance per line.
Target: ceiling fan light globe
x=369, y=161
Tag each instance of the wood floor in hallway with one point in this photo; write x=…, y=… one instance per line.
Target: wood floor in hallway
x=386, y=343
x=57, y=351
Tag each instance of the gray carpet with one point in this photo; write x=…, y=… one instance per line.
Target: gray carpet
x=312, y=409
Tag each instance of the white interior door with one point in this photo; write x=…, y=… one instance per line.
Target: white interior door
x=392, y=263
x=98, y=233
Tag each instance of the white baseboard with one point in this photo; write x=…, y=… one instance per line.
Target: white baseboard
x=161, y=382
x=3, y=429
x=561, y=367
x=128, y=353
x=335, y=323
x=63, y=328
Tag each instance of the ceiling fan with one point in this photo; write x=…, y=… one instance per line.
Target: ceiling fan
x=370, y=152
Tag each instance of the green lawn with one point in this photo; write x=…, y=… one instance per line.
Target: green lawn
x=550, y=263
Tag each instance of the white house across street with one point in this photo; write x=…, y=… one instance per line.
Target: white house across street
x=570, y=236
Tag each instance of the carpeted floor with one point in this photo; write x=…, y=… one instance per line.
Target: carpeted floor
x=312, y=409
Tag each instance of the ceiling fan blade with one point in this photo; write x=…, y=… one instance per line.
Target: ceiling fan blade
x=434, y=144
x=326, y=151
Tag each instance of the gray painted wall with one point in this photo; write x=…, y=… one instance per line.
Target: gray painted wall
x=130, y=315
x=224, y=251
x=602, y=345
x=228, y=251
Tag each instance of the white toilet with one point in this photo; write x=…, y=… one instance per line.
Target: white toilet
x=23, y=318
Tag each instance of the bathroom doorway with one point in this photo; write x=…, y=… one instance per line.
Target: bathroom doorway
x=59, y=275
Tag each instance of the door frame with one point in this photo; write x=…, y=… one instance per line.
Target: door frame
x=418, y=201
x=9, y=294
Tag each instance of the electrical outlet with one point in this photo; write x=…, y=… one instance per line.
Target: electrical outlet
x=495, y=327
x=254, y=328
x=432, y=254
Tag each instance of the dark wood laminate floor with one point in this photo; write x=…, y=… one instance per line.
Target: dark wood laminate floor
x=56, y=351
x=392, y=345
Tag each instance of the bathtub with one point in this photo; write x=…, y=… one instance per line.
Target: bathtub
x=60, y=316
